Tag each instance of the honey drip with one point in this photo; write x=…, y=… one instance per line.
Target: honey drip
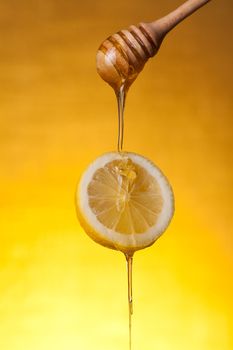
x=125, y=172
x=129, y=260
x=121, y=95
x=121, y=89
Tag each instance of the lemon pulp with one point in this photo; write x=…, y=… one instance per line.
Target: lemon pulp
x=125, y=197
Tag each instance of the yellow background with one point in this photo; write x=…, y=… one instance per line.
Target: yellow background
x=58, y=289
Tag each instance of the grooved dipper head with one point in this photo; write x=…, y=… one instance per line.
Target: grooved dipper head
x=123, y=55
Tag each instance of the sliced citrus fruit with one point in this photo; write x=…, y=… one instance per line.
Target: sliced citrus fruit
x=124, y=201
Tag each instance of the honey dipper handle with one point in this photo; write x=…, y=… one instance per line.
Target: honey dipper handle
x=166, y=23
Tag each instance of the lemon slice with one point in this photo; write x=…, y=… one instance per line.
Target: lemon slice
x=124, y=201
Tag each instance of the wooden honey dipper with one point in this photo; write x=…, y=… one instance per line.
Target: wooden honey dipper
x=123, y=55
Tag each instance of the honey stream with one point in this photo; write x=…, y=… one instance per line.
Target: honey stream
x=129, y=260
x=121, y=95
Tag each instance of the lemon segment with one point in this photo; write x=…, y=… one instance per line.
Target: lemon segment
x=124, y=201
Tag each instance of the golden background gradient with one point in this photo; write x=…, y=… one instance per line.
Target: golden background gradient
x=58, y=289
